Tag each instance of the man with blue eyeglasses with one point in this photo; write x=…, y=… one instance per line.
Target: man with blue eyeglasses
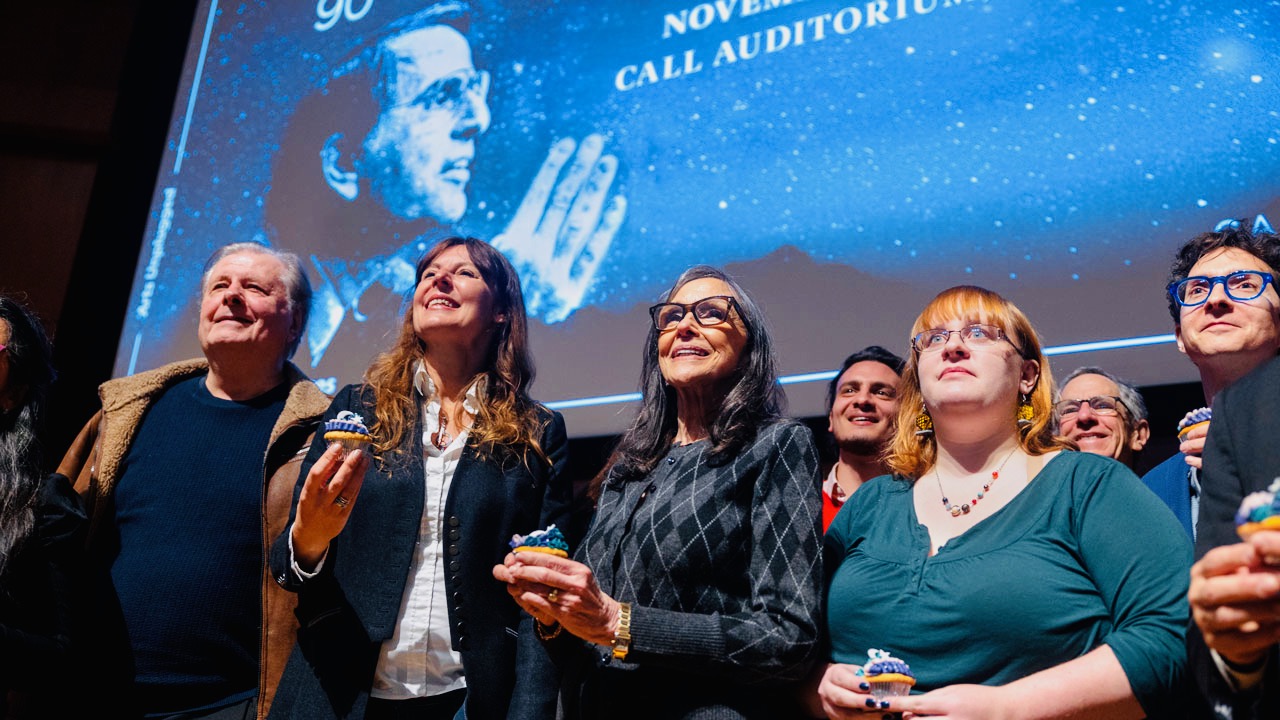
x=1226, y=314
x=1226, y=310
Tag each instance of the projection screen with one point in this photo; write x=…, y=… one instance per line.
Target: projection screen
x=845, y=161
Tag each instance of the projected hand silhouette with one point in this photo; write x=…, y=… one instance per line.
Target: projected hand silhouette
x=564, y=227
x=556, y=240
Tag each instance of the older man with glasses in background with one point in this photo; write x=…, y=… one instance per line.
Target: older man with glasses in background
x=1102, y=414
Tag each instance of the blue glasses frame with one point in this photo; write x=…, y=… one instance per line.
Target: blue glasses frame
x=1175, y=288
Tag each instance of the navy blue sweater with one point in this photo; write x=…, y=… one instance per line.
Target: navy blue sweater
x=188, y=511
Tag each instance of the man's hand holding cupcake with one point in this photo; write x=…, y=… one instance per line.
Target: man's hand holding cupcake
x=1235, y=589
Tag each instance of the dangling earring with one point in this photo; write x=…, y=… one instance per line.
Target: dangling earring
x=924, y=421
x=1025, y=412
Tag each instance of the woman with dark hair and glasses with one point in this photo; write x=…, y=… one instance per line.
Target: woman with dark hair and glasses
x=41, y=528
x=696, y=590
x=1015, y=579
x=391, y=556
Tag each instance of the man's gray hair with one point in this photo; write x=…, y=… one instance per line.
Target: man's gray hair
x=1129, y=395
x=294, y=278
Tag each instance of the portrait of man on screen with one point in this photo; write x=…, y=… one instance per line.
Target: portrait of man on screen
x=375, y=166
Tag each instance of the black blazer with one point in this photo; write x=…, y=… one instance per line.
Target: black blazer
x=352, y=606
x=1241, y=456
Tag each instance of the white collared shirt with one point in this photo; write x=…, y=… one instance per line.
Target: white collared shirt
x=832, y=488
x=417, y=661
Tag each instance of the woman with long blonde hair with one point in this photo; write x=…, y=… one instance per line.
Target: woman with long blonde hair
x=391, y=555
x=1016, y=577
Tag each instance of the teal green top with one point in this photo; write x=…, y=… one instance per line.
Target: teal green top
x=1084, y=556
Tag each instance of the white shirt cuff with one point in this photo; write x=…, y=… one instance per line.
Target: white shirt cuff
x=303, y=574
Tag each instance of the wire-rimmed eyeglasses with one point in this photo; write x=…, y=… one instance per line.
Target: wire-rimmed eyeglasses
x=975, y=336
x=1099, y=404
x=1240, y=286
x=708, y=311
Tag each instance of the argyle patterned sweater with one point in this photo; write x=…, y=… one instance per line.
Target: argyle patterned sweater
x=722, y=565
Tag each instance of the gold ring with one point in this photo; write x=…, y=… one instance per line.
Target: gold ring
x=553, y=597
x=341, y=501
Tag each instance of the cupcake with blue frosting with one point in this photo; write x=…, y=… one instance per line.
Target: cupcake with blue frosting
x=888, y=676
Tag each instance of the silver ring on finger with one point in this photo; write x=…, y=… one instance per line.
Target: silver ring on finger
x=341, y=501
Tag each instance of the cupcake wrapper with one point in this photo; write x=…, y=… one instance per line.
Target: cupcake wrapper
x=541, y=549
x=1247, y=529
x=882, y=690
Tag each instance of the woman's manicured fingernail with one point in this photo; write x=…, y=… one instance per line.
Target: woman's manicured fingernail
x=871, y=702
x=884, y=704
x=864, y=686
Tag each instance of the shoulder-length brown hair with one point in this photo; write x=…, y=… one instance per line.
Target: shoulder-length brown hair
x=506, y=416
x=911, y=455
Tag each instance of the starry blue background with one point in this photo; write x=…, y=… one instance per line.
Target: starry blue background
x=1003, y=143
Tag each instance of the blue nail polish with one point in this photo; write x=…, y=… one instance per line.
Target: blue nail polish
x=884, y=704
x=871, y=702
x=864, y=686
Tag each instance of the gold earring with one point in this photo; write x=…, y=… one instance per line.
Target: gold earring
x=924, y=421
x=1026, y=414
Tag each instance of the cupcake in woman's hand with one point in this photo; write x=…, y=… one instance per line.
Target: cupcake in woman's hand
x=888, y=676
x=348, y=428
x=550, y=541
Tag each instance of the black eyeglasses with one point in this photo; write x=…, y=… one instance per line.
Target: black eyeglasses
x=1240, y=286
x=974, y=336
x=1099, y=404
x=708, y=311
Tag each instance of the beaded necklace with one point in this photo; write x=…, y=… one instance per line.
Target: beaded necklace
x=965, y=508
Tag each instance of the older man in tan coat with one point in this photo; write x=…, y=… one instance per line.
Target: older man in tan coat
x=187, y=474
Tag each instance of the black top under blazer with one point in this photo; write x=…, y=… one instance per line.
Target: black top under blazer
x=351, y=606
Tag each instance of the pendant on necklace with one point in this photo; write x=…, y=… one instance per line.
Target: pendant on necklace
x=442, y=439
x=966, y=508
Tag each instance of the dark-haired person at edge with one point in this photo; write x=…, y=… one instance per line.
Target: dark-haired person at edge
x=1235, y=585
x=695, y=593
x=186, y=474
x=862, y=407
x=999, y=566
x=41, y=531
x=391, y=550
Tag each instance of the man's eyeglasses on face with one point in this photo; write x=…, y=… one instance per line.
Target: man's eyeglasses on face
x=1240, y=286
x=973, y=336
x=453, y=91
x=1099, y=404
x=708, y=311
